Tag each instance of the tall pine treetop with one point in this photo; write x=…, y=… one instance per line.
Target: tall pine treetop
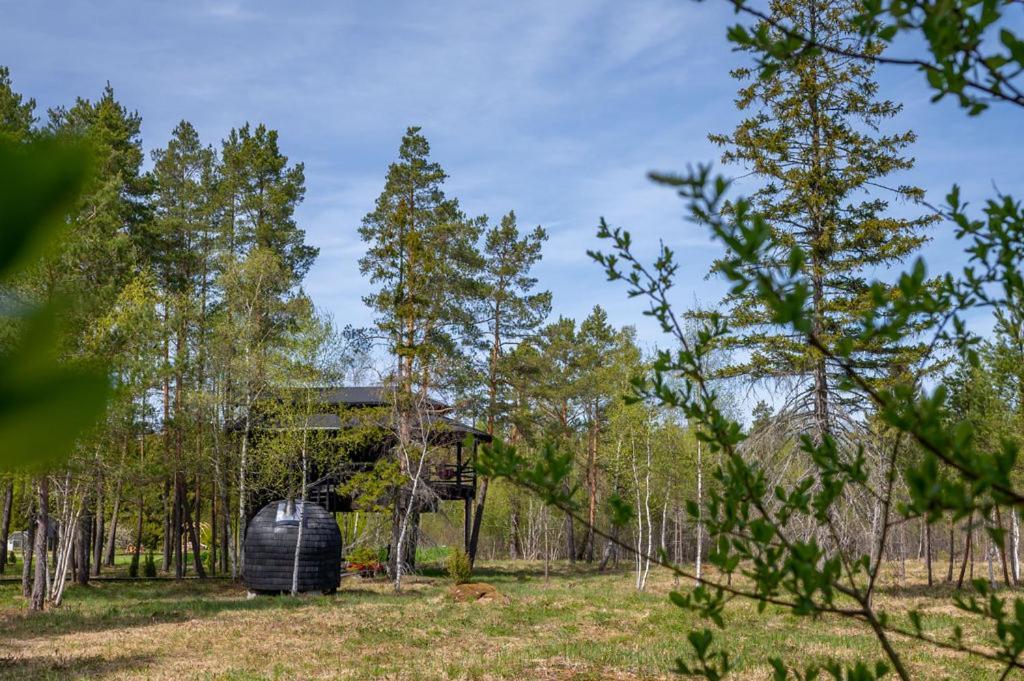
x=261, y=192
x=17, y=115
x=814, y=141
x=421, y=251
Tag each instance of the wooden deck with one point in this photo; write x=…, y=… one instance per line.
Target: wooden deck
x=443, y=482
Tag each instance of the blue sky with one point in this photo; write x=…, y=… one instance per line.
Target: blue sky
x=554, y=109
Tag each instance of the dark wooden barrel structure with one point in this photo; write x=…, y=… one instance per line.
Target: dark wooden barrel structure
x=270, y=549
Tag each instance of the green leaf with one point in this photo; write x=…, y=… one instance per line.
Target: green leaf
x=45, y=405
x=38, y=182
x=45, y=402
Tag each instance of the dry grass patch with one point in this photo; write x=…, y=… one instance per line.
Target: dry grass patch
x=578, y=625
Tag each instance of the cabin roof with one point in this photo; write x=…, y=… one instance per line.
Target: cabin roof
x=355, y=396
x=365, y=396
x=442, y=428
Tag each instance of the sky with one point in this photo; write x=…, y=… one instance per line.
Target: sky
x=556, y=110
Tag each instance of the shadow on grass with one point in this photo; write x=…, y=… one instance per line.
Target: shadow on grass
x=941, y=590
x=533, y=572
x=118, y=605
x=61, y=667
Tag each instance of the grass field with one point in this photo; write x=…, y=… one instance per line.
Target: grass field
x=578, y=625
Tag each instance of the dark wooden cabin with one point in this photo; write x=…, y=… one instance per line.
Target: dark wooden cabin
x=448, y=473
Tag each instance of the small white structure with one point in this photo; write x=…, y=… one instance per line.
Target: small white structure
x=16, y=542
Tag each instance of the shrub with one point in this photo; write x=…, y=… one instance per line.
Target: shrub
x=459, y=568
x=366, y=561
x=363, y=555
x=150, y=568
x=133, y=567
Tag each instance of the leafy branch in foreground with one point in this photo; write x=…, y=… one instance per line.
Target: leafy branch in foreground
x=544, y=476
x=958, y=34
x=952, y=474
x=786, y=538
x=45, y=402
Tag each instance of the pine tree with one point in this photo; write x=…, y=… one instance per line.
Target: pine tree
x=421, y=252
x=814, y=141
x=184, y=224
x=607, y=359
x=109, y=225
x=512, y=313
x=263, y=260
x=260, y=192
x=17, y=115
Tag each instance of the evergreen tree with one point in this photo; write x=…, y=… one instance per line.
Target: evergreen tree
x=109, y=224
x=607, y=359
x=17, y=115
x=260, y=192
x=512, y=313
x=813, y=140
x=512, y=310
x=184, y=224
x=263, y=260
x=421, y=252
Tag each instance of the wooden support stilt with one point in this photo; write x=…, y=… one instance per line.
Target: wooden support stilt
x=468, y=522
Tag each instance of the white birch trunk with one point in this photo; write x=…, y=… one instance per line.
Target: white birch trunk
x=650, y=525
x=1014, y=545
x=404, y=528
x=700, y=512
x=302, y=515
x=238, y=546
x=637, y=559
x=990, y=549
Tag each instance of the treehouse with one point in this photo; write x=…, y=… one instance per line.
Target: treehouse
x=362, y=424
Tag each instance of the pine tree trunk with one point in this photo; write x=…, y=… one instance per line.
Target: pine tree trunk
x=138, y=536
x=213, y=528
x=40, y=540
x=114, y=513
x=168, y=541
x=967, y=552
x=5, y=522
x=928, y=549
x=168, y=521
x=28, y=550
x=97, y=535
x=478, y=519
x=952, y=550
x=176, y=525
x=1002, y=548
x=84, y=539
x=193, y=535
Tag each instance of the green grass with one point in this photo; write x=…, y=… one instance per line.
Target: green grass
x=579, y=624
